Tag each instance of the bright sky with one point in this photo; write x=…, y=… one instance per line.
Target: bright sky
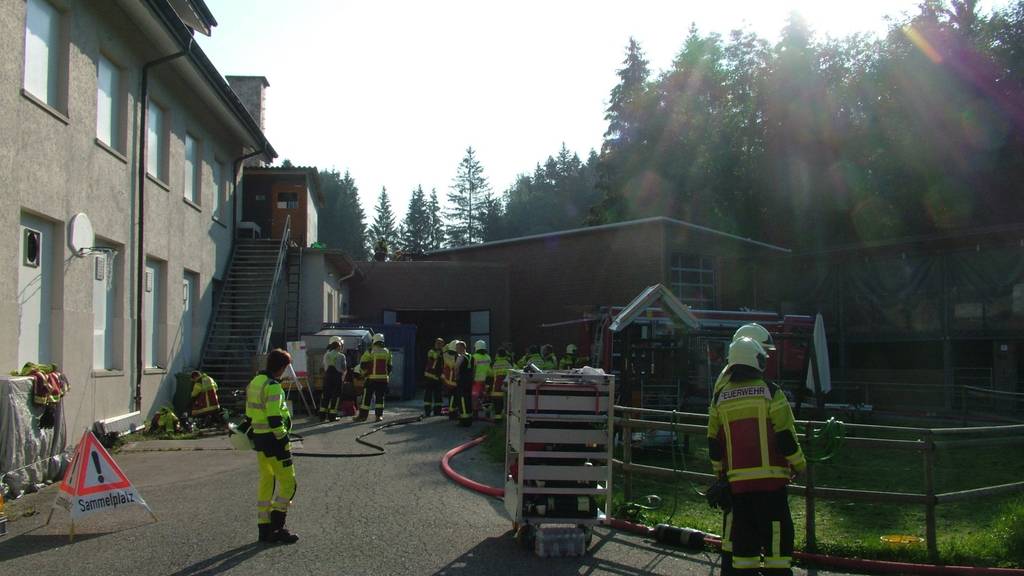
x=395, y=91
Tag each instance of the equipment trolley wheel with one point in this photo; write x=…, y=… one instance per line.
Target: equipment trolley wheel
x=525, y=535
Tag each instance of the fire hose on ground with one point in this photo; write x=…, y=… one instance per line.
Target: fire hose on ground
x=823, y=560
x=379, y=450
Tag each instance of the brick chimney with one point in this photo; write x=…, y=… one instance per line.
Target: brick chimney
x=251, y=91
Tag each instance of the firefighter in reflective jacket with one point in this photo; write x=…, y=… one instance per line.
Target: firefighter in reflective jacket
x=755, y=332
x=334, y=365
x=532, y=356
x=204, y=395
x=548, y=360
x=752, y=443
x=376, y=364
x=463, y=375
x=267, y=411
x=500, y=367
x=448, y=378
x=432, y=373
x=570, y=360
x=482, y=375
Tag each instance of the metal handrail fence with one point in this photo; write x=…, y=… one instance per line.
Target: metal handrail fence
x=629, y=419
x=267, y=326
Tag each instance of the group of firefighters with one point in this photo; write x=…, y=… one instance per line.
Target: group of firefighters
x=752, y=441
x=474, y=384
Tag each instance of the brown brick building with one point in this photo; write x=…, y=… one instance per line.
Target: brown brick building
x=515, y=289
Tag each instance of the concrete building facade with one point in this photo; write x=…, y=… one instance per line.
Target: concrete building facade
x=71, y=111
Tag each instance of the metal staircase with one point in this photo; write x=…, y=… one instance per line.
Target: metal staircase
x=240, y=329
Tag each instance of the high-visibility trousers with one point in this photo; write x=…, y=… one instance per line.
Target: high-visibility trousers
x=274, y=458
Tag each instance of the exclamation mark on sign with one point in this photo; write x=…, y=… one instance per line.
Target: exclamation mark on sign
x=99, y=471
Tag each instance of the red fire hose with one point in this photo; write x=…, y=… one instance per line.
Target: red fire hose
x=880, y=566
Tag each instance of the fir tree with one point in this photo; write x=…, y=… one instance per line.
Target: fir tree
x=383, y=227
x=435, y=228
x=470, y=197
x=415, y=232
x=343, y=224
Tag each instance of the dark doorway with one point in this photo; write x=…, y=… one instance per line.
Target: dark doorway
x=431, y=324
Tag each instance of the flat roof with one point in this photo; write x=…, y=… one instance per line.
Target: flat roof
x=616, y=225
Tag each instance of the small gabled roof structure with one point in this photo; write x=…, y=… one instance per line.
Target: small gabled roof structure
x=652, y=295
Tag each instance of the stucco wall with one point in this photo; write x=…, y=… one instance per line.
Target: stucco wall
x=51, y=166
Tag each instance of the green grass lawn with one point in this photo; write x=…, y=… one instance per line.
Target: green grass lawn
x=984, y=532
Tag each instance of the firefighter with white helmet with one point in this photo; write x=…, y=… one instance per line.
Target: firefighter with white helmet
x=432, y=371
x=376, y=366
x=755, y=332
x=570, y=360
x=752, y=445
x=334, y=366
x=482, y=374
x=448, y=378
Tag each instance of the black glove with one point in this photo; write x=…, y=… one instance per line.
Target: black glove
x=719, y=495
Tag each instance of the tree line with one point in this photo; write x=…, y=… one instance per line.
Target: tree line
x=806, y=143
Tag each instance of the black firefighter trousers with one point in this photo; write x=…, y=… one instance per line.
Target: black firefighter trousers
x=759, y=524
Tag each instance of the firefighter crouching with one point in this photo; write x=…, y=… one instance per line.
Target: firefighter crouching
x=376, y=365
x=267, y=411
x=205, y=403
x=752, y=445
x=432, y=373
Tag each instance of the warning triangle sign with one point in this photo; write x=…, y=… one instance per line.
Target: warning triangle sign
x=93, y=470
x=93, y=482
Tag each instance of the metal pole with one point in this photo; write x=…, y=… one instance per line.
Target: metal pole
x=929, y=489
x=627, y=459
x=809, y=524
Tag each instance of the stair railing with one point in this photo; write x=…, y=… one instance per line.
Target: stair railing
x=268, y=324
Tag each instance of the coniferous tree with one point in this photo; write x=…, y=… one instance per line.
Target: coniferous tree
x=470, y=197
x=435, y=229
x=415, y=231
x=622, y=153
x=383, y=227
x=343, y=224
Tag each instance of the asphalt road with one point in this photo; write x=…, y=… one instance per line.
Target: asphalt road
x=392, y=514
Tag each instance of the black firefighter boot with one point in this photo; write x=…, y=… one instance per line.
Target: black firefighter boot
x=266, y=534
x=281, y=534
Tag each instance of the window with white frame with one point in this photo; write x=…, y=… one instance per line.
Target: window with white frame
x=156, y=141
x=193, y=169
x=693, y=280
x=217, y=174
x=45, y=53
x=108, y=103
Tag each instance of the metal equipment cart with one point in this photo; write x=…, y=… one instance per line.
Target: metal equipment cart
x=558, y=453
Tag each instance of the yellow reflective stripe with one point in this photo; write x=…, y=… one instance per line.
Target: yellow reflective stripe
x=260, y=426
x=281, y=500
x=778, y=561
x=274, y=398
x=776, y=537
x=762, y=419
x=746, y=562
x=757, y=473
x=255, y=405
x=263, y=504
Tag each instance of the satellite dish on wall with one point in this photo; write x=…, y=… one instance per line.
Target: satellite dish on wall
x=81, y=236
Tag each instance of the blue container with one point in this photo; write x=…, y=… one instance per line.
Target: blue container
x=401, y=340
